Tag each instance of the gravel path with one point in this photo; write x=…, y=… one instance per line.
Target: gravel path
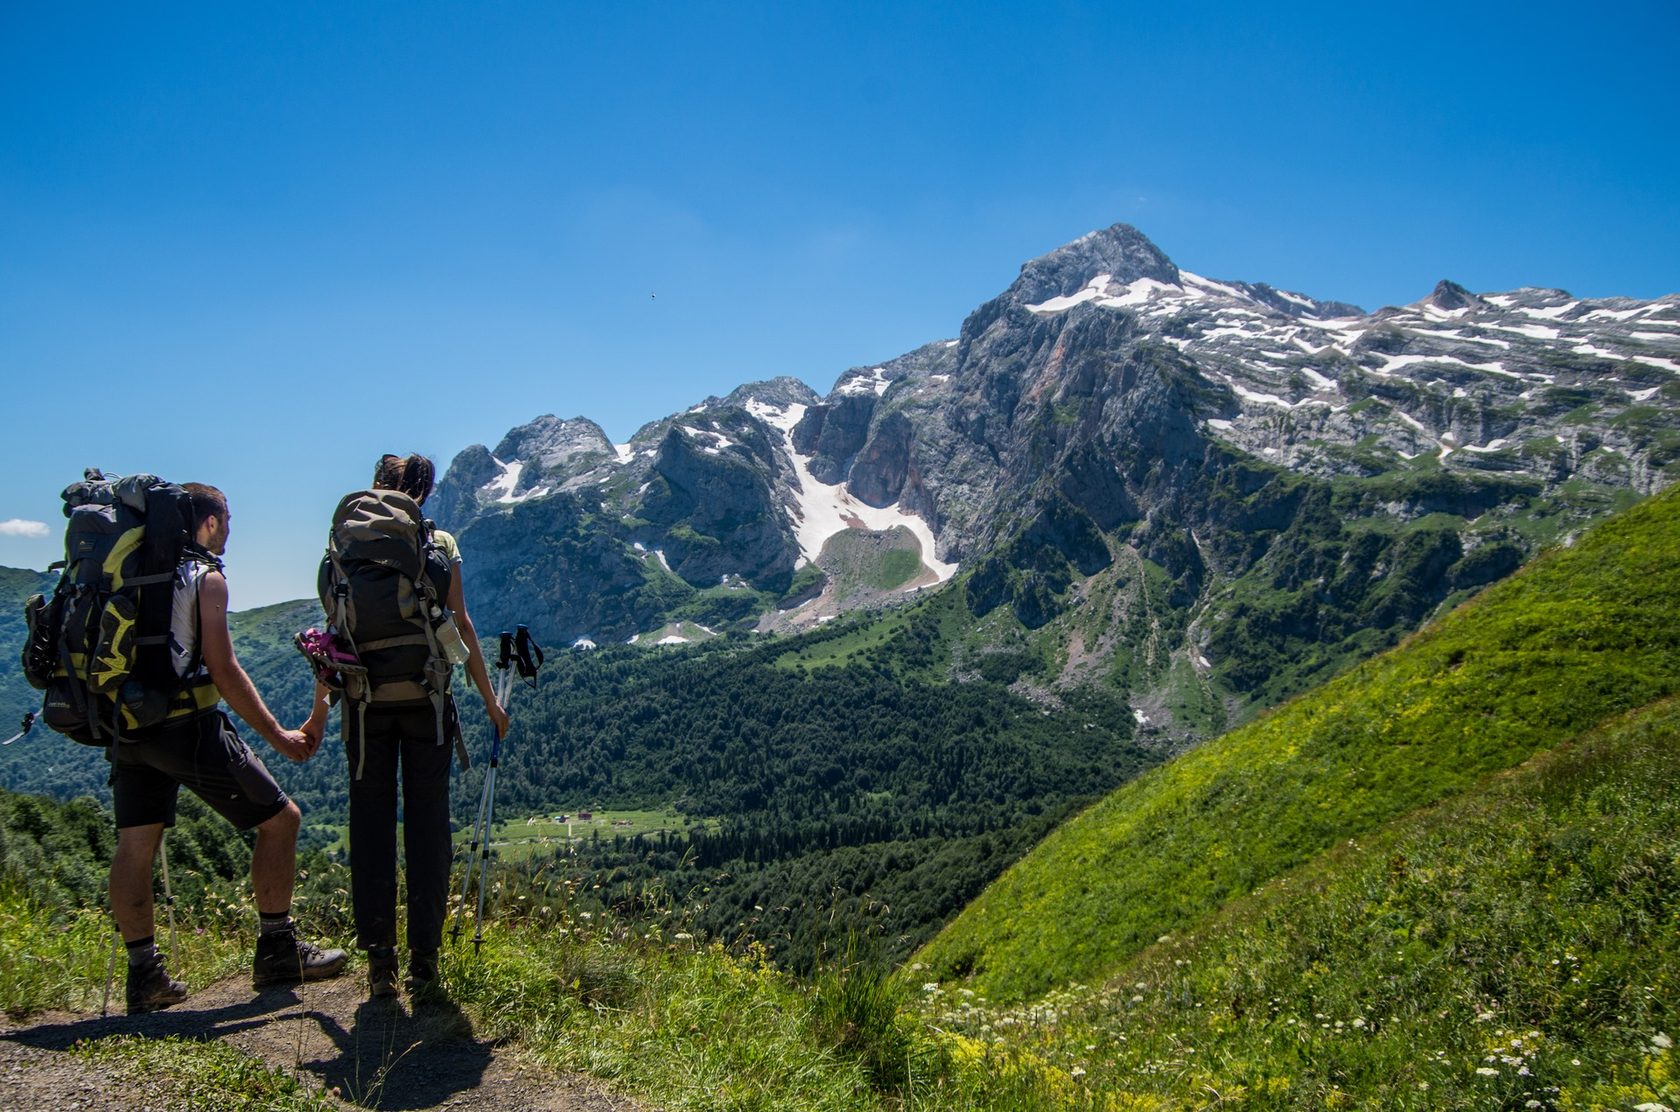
x=389, y=1055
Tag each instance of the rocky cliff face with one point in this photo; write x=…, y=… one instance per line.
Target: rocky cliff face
x=1112, y=431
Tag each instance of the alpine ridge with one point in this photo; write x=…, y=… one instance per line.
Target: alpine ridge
x=1177, y=480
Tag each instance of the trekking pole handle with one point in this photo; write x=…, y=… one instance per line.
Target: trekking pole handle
x=528, y=652
x=27, y=725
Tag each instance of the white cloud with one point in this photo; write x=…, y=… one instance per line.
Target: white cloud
x=17, y=527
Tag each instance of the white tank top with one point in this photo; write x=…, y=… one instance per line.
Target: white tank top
x=183, y=618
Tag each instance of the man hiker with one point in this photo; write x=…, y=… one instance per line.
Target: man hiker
x=199, y=748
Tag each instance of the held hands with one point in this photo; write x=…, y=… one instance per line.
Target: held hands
x=314, y=727
x=295, y=744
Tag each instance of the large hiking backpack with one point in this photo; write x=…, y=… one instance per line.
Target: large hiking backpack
x=383, y=584
x=99, y=645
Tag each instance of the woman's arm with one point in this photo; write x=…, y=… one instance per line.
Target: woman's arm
x=475, y=656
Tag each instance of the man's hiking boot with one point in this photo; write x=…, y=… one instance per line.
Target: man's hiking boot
x=382, y=974
x=283, y=959
x=151, y=988
x=422, y=973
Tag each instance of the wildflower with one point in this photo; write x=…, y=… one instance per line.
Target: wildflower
x=1423, y=1086
x=1359, y=1021
x=1487, y=1071
x=1483, y=1017
x=930, y=986
x=1660, y=1041
x=1652, y=1106
x=1077, y=1071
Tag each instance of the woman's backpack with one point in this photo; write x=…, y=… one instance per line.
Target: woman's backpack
x=383, y=585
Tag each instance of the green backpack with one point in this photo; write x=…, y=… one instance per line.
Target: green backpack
x=98, y=646
x=383, y=584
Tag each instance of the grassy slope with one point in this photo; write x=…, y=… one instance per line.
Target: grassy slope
x=1514, y=947
x=1578, y=636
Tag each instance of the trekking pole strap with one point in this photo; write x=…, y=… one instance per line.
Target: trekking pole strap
x=528, y=653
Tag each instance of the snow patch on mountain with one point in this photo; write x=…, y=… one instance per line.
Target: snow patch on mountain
x=502, y=488
x=824, y=509
x=875, y=382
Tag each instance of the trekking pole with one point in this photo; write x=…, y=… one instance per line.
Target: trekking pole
x=117, y=946
x=481, y=833
x=169, y=898
x=522, y=649
x=502, y=692
x=28, y=724
x=111, y=973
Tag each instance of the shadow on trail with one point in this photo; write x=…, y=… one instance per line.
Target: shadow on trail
x=389, y=1057
x=183, y=1021
x=393, y=1059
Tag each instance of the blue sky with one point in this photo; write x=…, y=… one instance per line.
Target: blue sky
x=260, y=247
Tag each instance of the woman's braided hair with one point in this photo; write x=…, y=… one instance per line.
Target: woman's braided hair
x=412, y=475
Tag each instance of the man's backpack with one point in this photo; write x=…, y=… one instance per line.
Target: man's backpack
x=98, y=646
x=383, y=584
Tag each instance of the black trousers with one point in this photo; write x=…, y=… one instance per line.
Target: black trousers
x=404, y=737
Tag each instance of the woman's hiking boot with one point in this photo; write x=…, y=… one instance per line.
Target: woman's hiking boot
x=422, y=973
x=382, y=972
x=151, y=988
x=284, y=959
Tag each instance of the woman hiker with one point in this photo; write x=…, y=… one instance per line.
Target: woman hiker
x=381, y=736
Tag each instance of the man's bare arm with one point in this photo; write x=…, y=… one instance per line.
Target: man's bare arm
x=231, y=681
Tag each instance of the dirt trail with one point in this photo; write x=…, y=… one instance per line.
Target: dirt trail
x=389, y=1055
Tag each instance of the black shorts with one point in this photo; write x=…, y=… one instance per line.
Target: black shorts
x=205, y=754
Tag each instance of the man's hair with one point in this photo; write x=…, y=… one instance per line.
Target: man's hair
x=411, y=474
x=207, y=502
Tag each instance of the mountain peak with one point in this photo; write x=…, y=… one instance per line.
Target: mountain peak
x=1120, y=251
x=783, y=390
x=1449, y=295
x=551, y=440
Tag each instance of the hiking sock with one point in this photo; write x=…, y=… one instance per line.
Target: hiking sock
x=272, y=924
x=141, y=951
